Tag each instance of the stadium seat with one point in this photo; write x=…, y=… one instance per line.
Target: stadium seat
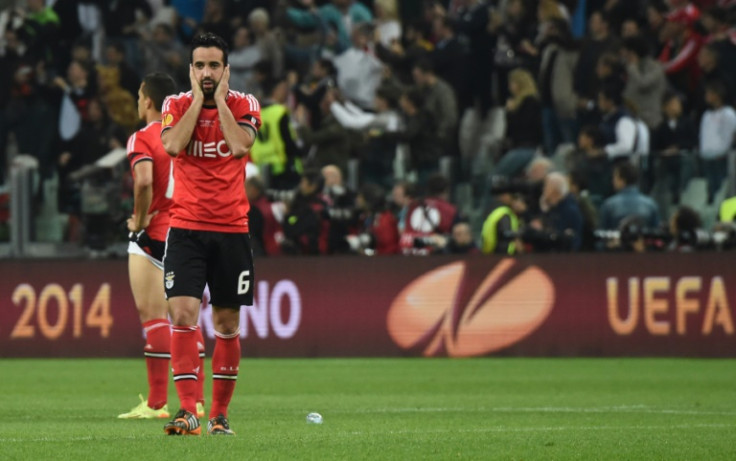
x=695, y=194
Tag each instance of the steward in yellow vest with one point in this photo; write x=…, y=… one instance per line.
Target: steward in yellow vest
x=501, y=221
x=728, y=210
x=275, y=144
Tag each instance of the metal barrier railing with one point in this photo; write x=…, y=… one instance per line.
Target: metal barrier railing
x=21, y=186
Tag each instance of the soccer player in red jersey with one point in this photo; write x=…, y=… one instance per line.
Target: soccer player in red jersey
x=209, y=130
x=153, y=186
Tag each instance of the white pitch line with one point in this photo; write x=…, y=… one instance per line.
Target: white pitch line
x=613, y=409
x=501, y=429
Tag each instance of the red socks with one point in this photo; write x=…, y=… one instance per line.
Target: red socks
x=185, y=363
x=157, y=352
x=225, y=363
x=187, y=358
x=200, y=374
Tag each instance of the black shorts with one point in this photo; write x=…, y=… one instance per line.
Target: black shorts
x=222, y=260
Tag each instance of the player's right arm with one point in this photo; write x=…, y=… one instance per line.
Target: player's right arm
x=177, y=134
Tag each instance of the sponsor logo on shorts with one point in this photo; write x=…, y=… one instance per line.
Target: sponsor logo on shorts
x=169, y=280
x=435, y=314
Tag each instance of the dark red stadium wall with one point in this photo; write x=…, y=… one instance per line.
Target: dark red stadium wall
x=557, y=305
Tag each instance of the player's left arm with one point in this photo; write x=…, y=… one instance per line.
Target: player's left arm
x=143, y=195
x=239, y=138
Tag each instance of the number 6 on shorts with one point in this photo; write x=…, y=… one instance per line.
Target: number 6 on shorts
x=244, y=282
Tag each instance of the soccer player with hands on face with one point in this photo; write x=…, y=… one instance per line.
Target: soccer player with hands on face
x=208, y=130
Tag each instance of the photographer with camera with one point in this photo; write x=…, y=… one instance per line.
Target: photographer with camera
x=529, y=187
x=377, y=232
x=428, y=217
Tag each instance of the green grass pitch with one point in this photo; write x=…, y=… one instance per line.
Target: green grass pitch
x=493, y=408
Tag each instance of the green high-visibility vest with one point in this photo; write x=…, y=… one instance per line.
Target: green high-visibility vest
x=489, y=234
x=728, y=210
x=269, y=147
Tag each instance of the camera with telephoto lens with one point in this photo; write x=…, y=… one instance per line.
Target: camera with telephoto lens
x=723, y=238
x=630, y=233
x=543, y=240
x=424, y=242
x=504, y=185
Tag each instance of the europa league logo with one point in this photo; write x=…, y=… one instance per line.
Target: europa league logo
x=507, y=306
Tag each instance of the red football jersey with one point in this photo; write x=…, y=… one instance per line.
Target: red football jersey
x=145, y=145
x=210, y=183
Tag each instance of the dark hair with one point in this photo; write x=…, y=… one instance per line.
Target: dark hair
x=410, y=189
x=632, y=228
x=627, y=172
x=264, y=68
x=449, y=23
x=270, y=84
x=718, y=87
x=314, y=177
x=437, y=184
x=117, y=46
x=594, y=133
x=638, y=45
x=687, y=219
x=249, y=33
x=415, y=96
x=83, y=42
x=669, y=95
x=564, y=34
x=425, y=65
x=328, y=66
x=208, y=40
x=389, y=93
x=157, y=86
x=579, y=177
x=658, y=5
x=422, y=27
x=613, y=92
x=374, y=196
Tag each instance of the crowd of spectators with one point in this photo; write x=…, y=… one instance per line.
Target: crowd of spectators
x=561, y=118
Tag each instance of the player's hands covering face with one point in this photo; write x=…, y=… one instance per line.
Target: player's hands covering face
x=223, y=86
x=197, y=92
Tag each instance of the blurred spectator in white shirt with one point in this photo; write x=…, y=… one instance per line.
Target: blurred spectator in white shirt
x=359, y=71
x=717, y=129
